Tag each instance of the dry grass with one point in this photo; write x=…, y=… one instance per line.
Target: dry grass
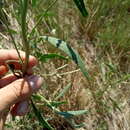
x=102, y=42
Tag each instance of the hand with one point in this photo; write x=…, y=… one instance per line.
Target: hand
x=15, y=92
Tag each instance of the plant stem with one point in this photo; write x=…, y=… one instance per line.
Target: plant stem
x=24, y=7
x=24, y=34
x=40, y=19
x=2, y=11
x=41, y=119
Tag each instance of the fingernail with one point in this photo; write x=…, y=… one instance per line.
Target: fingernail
x=35, y=82
x=22, y=108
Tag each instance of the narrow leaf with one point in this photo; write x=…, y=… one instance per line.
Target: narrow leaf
x=13, y=31
x=81, y=6
x=65, y=114
x=41, y=119
x=70, y=114
x=77, y=113
x=37, y=97
x=57, y=104
x=34, y=3
x=62, y=93
x=44, y=57
x=70, y=51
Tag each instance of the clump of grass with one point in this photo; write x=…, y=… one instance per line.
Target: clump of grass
x=53, y=105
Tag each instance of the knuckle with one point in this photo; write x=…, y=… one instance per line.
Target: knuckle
x=21, y=89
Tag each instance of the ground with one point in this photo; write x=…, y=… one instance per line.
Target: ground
x=102, y=40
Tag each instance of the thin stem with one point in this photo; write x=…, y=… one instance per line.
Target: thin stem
x=13, y=41
x=41, y=119
x=40, y=19
x=61, y=74
x=56, y=110
x=24, y=34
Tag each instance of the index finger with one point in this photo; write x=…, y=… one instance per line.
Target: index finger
x=6, y=55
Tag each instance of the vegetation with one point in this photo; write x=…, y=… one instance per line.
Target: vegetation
x=91, y=91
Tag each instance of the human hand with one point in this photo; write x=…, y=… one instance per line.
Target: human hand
x=14, y=92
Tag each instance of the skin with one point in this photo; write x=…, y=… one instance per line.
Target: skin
x=14, y=92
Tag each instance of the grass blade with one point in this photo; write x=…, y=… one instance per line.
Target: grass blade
x=81, y=6
x=41, y=119
x=62, y=93
x=34, y=3
x=57, y=104
x=42, y=16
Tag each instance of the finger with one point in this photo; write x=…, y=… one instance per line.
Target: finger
x=19, y=90
x=12, y=55
x=17, y=65
x=7, y=80
x=3, y=69
x=20, y=108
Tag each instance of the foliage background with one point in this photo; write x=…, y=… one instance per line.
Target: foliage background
x=103, y=41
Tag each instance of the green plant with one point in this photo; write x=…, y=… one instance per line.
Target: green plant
x=101, y=39
x=23, y=6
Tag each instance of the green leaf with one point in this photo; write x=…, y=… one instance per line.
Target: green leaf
x=1, y=3
x=62, y=93
x=34, y=2
x=69, y=51
x=115, y=104
x=111, y=67
x=65, y=114
x=37, y=97
x=81, y=6
x=56, y=104
x=70, y=114
x=41, y=119
x=77, y=113
x=44, y=57
x=48, y=13
x=12, y=31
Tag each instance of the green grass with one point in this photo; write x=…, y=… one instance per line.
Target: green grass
x=101, y=39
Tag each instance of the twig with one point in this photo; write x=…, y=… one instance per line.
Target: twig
x=61, y=74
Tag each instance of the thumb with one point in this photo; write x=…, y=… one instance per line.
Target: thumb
x=18, y=90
